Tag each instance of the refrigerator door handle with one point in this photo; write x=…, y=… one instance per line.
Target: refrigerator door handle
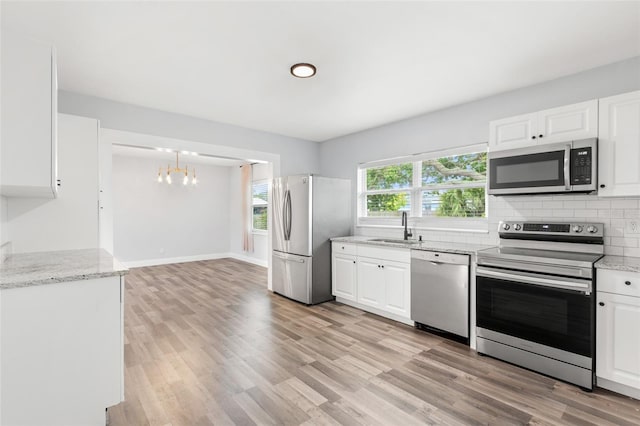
x=289, y=216
x=284, y=216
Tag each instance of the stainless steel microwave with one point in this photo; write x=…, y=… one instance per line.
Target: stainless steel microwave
x=552, y=168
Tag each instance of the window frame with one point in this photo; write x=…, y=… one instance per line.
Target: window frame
x=253, y=183
x=472, y=224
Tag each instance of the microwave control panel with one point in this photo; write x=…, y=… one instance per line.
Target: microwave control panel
x=581, y=160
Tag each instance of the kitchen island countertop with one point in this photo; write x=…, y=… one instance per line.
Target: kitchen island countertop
x=619, y=263
x=41, y=268
x=440, y=246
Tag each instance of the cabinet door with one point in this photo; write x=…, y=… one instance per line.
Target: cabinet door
x=61, y=352
x=619, y=145
x=618, y=339
x=370, y=282
x=512, y=132
x=71, y=220
x=397, y=286
x=344, y=276
x=566, y=123
x=29, y=96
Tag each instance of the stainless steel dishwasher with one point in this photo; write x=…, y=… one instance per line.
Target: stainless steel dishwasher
x=440, y=291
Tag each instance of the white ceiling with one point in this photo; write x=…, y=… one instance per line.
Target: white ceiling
x=378, y=62
x=163, y=157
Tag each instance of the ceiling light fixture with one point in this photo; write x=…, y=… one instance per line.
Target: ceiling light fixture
x=303, y=70
x=177, y=169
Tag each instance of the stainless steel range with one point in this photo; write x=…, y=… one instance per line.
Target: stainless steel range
x=535, y=302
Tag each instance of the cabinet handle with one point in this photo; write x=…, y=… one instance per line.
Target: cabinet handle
x=382, y=266
x=342, y=247
x=541, y=136
x=533, y=137
x=601, y=303
x=627, y=282
x=602, y=185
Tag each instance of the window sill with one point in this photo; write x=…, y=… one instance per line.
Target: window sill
x=467, y=225
x=259, y=232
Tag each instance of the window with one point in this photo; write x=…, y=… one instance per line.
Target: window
x=260, y=193
x=437, y=185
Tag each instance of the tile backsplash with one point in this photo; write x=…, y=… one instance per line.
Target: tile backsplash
x=617, y=214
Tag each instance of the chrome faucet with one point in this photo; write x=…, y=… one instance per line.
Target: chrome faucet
x=405, y=221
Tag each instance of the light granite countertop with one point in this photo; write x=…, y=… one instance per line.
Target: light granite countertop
x=458, y=248
x=619, y=263
x=31, y=269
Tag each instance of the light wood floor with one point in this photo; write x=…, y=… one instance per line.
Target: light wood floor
x=206, y=343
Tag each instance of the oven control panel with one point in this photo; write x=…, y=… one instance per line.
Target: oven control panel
x=550, y=228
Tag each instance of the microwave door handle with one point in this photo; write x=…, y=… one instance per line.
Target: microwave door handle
x=567, y=167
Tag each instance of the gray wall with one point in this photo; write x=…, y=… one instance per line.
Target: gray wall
x=297, y=156
x=159, y=221
x=468, y=123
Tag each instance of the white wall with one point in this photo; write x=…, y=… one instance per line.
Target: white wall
x=468, y=124
x=158, y=223
x=297, y=156
x=69, y=221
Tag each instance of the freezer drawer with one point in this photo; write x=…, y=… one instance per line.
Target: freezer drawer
x=292, y=276
x=440, y=291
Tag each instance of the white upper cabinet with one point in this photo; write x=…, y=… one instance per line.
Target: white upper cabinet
x=565, y=123
x=619, y=146
x=29, y=109
x=512, y=132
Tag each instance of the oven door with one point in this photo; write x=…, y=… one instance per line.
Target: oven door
x=530, y=170
x=553, y=311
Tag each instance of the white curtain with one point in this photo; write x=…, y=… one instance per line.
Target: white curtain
x=247, y=208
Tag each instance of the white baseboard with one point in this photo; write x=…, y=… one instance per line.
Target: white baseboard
x=249, y=259
x=169, y=260
x=183, y=259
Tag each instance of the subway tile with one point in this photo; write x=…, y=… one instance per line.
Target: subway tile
x=614, y=231
x=613, y=250
x=604, y=213
x=562, y=213
x=574, y=204
x=624, y=204
x=631, y=213
x=552, y=204
x=632, y=251
x=598, y=204
x=586, y=213
x=617, y=213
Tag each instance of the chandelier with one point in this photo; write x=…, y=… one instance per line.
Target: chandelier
x=177, y=169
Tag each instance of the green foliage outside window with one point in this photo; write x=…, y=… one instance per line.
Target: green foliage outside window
x=260, y=193
x=397, y=176
x=439, y=195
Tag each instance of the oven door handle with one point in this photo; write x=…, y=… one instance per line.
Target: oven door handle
x=565, y=283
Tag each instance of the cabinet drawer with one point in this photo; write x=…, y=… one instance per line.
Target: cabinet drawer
x=344, y=248
x=619, y=282
x=392, y=254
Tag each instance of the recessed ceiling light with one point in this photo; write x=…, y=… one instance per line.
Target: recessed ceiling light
x=303, y=70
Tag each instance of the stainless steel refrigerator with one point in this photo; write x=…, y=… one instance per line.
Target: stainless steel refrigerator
x=307, y=211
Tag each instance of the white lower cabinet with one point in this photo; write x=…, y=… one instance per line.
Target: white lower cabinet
x=617, y=332
x=397, y=288
x=62, y=352
x=344, y=275
x=375, y=279
x=370, y=282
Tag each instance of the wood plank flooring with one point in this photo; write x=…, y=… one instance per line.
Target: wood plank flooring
x=206, y=343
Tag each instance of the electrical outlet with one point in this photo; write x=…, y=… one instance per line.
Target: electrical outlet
x=632, y=227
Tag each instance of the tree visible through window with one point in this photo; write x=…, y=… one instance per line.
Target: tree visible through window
x=450, y=186
x=260, y=192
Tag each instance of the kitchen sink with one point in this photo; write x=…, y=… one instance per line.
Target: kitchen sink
x=394, y=241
